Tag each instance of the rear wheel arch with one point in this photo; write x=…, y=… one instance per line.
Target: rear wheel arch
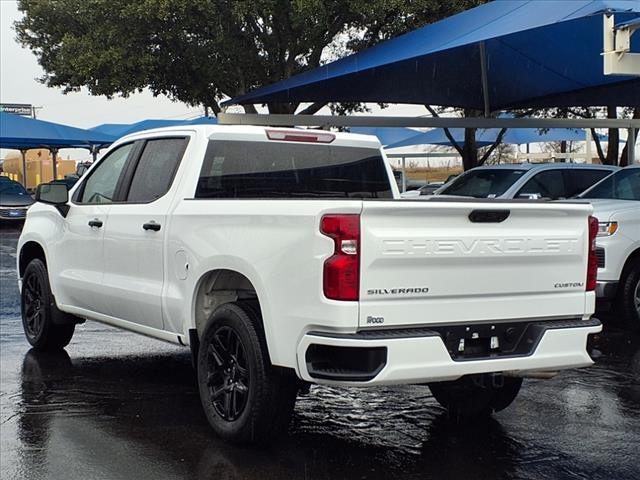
x=220, y=286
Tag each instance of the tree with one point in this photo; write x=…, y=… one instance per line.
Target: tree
x=198, y=52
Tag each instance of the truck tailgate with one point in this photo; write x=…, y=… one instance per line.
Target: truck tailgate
x=438, y=262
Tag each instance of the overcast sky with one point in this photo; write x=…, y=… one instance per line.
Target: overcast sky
x=19, y=73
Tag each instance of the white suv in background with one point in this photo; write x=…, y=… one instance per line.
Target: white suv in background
x=616, y=204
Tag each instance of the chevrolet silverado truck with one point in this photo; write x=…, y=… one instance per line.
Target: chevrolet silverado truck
x=616, y=202
x=285, y=257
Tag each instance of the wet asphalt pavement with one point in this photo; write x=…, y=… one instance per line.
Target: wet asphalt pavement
x=118, y=406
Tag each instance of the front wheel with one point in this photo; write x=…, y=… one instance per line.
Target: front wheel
x=244, y=398
x=475, y=396
x=38, y=309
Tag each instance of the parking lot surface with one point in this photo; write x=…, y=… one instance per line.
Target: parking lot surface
x=117, y=406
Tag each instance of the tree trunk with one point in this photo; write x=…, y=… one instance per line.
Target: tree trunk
x=596, y=140
x=250, y=108
x=282, y=108
x=614, y=139
x=563, y=149
x=469, y=149
x=624, y=158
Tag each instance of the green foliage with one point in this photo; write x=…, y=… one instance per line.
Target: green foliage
x=199, y=51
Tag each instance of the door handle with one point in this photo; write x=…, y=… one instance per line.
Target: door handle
x=95, y=223
x=151, y=226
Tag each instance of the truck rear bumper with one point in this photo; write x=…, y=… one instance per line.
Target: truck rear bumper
x=606, y=289
x=386, y=357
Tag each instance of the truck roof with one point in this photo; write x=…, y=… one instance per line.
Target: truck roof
x=341, y=138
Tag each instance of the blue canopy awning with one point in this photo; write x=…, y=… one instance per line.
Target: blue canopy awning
x=484, y=137
x=121, y=129
x=22, y=133
x=537, y=54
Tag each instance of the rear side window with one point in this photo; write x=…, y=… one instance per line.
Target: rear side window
x=156, y=168
x=549, y=184
x=578, y=180
x=233, y=169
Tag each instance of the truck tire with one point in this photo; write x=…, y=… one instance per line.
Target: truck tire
x=630, y=295
x=474, y=396
x=244, y=398
x=39, y=308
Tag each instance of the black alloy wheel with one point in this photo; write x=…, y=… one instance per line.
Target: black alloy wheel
x=245, y=399
x=227, y=374
x=33, y=303
x=39, y=311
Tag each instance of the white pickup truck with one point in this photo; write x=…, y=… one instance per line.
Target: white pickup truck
x=616, y=203
x=286, y=257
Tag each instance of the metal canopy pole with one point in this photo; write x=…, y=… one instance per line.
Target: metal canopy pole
x=54, y=156
x=279, y=120
x=404, y=174
x=24, y=168
x=631, y=151
x=94, y=152
x=485, y=80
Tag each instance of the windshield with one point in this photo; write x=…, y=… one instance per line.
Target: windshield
x=622, y=185
x=483, y=183
x=12, y=189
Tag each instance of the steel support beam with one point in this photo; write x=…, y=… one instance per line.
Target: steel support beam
x=277, y=120
x=421, y=154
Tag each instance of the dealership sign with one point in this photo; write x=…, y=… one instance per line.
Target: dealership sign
x=17, y=109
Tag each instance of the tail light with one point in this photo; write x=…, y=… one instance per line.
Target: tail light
x=592, y=262
x=341, y=276
x=301, y=136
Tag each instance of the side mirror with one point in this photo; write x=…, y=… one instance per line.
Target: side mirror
x=55, y=194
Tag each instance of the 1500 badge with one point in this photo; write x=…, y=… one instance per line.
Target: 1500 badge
x=397, y=291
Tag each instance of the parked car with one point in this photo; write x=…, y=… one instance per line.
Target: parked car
x=14, y=200
x=526, y=180
x=616, y=204
x=285, y=257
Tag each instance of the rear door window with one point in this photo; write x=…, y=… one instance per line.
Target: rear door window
x=233, y=169
x=578, y=180
x=155, y=169
x=549, y=184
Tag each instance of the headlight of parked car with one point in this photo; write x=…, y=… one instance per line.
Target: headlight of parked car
x=606, y=229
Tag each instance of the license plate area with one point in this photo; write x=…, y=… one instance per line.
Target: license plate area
x=490, y=340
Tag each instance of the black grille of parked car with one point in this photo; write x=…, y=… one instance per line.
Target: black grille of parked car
x=600, y=257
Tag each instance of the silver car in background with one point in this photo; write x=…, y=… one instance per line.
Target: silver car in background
x=526, y=180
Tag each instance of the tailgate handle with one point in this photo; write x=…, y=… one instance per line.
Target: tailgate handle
x=489, y=216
